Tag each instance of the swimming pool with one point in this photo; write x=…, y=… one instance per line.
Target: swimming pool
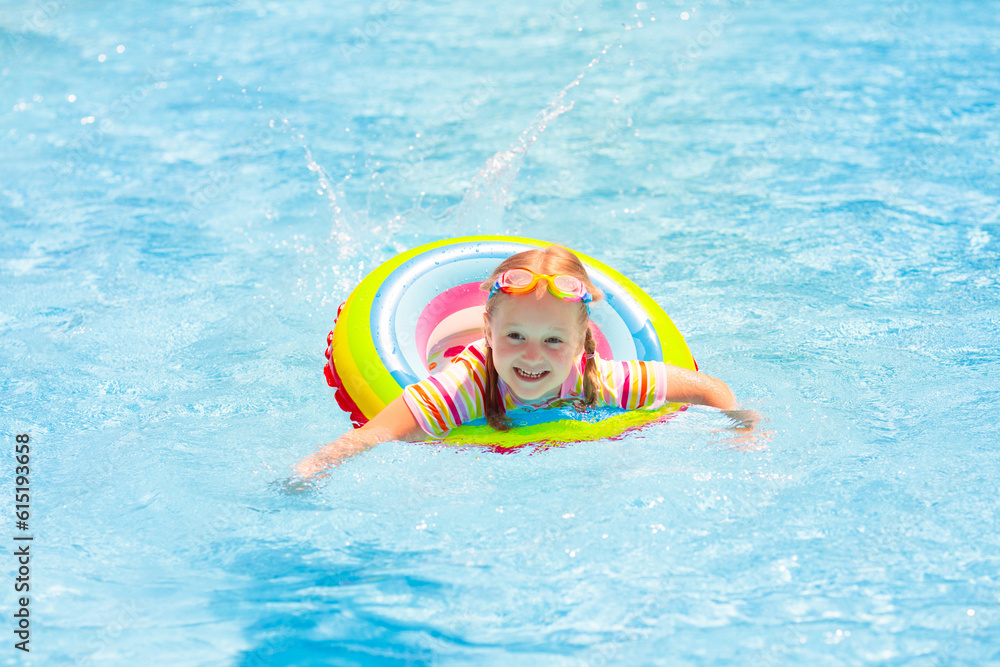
x=810, y=191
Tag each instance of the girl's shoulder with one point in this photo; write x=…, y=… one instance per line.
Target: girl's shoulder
x=452, y=395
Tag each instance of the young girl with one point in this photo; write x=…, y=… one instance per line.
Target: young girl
x=537, y=351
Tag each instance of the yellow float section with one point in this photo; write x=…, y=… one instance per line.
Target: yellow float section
x=372, y=387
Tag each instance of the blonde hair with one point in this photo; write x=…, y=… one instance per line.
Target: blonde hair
x=553, y=260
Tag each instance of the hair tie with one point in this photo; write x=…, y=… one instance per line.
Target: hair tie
x=588, y=355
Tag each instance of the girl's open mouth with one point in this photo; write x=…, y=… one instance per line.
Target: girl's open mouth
x=530, y=377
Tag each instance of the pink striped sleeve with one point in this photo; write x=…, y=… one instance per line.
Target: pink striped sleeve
x=633, y=384
x=450, y=397
x=650, y=384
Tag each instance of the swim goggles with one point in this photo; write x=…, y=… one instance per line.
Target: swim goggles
x=522, y=281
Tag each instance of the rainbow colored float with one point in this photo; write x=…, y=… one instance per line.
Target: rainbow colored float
x=418, y=310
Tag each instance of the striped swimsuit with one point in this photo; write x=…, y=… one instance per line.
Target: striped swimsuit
x=454, y=395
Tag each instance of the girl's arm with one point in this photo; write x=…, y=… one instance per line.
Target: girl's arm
x=395, y=422
x=687, y=386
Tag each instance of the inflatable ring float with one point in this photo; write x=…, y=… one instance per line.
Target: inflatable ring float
x=418, y=310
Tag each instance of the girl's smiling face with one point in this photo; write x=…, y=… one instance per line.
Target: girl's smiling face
x=535, y=339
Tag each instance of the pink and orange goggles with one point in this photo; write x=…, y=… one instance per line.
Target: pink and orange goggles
x=522, y=281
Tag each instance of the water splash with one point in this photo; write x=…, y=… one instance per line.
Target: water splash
x=344, y=219
x=483, y=204
x=486, y=199
x=350, y=229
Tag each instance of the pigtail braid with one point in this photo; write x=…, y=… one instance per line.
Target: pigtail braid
x=496, y=411
x=591, y=379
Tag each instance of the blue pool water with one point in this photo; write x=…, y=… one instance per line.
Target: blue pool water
x=189, y=190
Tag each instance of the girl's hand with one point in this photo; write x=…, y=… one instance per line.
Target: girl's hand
x=395, y=422
x=745, y=432
x=312, y=468
x=346, y=446
x=744, y=419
